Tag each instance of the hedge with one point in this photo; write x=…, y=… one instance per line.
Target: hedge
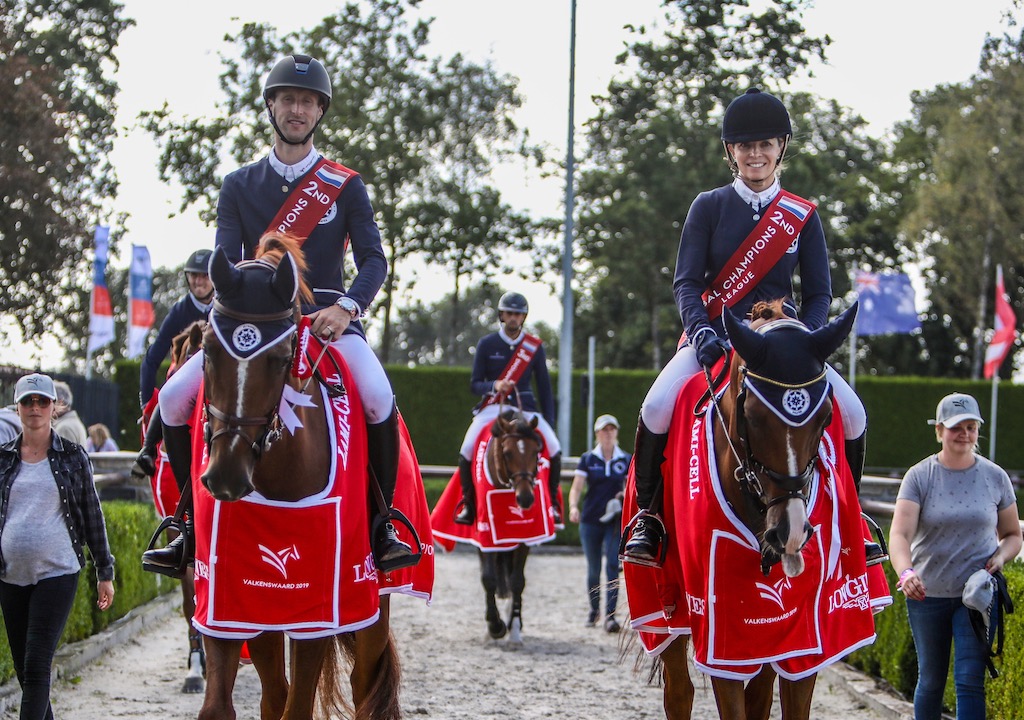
x=129, y=528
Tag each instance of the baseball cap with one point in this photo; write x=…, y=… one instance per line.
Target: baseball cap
x=35, y=384
x=979, y=593
x=956, y=408
x=604, y=421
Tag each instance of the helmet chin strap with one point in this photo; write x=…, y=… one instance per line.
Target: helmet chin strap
x=280, y=134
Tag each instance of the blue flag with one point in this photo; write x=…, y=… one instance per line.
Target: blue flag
x=886, y=304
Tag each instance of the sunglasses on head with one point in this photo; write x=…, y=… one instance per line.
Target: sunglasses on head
x=31, y=400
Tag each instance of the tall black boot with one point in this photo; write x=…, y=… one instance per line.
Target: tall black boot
x=145, y=461
x=642, y=545
x=855, y=451
x=554, y=482
x=179, y=551
x=384, y=446
x=467, y=515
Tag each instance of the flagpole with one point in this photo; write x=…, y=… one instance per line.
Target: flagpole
x=994, y=411
x=853, y=355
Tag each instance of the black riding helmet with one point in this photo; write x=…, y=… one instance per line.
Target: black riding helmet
x=199, y=262
x=298, y=71
x=513, y=302
x=755, y=115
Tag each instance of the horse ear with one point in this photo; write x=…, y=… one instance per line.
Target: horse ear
x=750, y=344
x=285, y=282
x=826, y=340
x=223, y=274
x=533, y=423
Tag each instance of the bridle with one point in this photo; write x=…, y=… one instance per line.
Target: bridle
x=505, y=477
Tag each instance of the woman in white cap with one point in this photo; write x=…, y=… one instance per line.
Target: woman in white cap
x=48, y=509
x=956, y=513
x=603, y=471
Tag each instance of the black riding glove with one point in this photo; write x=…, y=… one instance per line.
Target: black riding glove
x=144, y=465
x=709, y=347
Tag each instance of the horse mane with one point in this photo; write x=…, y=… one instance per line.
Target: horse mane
x=766, y=310
x=273, y=246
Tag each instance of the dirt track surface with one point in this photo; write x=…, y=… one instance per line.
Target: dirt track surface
x=452, y=671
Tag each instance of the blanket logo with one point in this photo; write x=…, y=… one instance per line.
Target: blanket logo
x=773, y=593
x=697, y=605
x=851, y=594
x=278, y=560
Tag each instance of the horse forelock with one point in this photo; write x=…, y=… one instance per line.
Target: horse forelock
x=274, y=246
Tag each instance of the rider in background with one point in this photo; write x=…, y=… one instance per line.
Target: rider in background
x=193, y=307
x=494, y=360
x=756, y=131
x=297, y=94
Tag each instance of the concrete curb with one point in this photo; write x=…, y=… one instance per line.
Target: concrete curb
x=866, y=689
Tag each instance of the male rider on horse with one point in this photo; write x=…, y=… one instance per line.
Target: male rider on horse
x=724, y=229
x=326, y=205
x=505, y=364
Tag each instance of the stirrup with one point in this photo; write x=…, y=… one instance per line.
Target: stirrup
x=459, y=509
x=627, y=534
x=177, y=572
x=883, y=548
x=395, y=515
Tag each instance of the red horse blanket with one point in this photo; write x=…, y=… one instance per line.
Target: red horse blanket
x=501, y=524
x=712, y=587
x=162, y=483
x=305, y=567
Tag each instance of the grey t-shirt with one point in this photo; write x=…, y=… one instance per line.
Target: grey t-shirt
x=956, y=531
x=35, y=539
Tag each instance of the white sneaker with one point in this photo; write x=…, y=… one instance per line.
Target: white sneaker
x=613, y=508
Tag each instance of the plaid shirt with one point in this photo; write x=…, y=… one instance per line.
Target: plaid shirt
x=72, y=471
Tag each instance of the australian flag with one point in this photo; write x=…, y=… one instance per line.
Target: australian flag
x=886, y=304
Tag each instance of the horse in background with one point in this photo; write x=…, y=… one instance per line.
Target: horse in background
x=773, y=473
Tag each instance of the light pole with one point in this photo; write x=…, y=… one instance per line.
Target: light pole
x=565, y=349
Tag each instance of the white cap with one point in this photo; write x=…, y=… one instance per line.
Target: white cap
x=979, y=592
x=956, y=408
x=35, y=384
x=604, y=421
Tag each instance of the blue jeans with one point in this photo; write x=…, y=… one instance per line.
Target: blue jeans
x=599, y=541
x=936, y=623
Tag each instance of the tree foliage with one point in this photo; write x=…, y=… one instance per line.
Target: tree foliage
x=56, y=181
x=424, y=133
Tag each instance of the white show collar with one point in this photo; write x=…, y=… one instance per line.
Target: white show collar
x=506, y=338
x=292, y=172
x=756, y=200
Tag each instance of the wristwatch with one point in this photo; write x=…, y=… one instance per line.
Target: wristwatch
x=350, y=306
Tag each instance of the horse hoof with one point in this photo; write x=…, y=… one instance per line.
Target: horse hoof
x=193, y=685
x=497, y=629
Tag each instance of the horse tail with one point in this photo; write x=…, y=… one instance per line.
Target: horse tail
x=382, y=701
x=331, y=702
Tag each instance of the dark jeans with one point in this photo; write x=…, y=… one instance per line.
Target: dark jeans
x=936, y=624
x=35, y=616
x=601, y=541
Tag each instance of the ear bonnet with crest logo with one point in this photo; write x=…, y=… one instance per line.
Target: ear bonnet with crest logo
x=255, y=309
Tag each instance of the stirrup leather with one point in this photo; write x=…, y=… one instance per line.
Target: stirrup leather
x=627, y=534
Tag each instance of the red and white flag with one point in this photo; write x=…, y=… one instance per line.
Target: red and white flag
x=140, y=298
x=1006, y=329
x=101, y=311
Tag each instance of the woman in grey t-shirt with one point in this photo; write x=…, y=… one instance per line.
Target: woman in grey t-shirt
x=956, y=513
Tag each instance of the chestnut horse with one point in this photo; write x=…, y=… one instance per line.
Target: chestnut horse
x=249, y=452
x=512, y=459
x=765, y=466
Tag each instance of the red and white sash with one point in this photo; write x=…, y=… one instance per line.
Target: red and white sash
x=311, y=199
x=515, y=367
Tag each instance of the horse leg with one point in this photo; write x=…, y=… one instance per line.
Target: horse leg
x=729, y=697
x=675, y=673
x=489, y=578
x=267, y=653
x=376, y=670
x=307, y=659
x=517, y=584
x=194, y=680
x=221, y=670
x=795, y=697
x=759, y=694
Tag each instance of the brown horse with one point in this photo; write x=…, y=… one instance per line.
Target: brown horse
x=512, y=459
x=248, y=451
x=765, y=466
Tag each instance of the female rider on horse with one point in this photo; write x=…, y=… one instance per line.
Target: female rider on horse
x=724, y=228
x=273, y=194
x=509, y=360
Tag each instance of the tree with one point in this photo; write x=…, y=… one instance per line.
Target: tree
x=56, y=180
x=424, y=132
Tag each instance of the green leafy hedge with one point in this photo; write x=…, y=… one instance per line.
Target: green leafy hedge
x=129, y=528
x=892, y=657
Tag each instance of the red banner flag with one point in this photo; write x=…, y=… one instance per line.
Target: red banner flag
x=1006, y=329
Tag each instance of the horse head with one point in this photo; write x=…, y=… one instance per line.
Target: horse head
x=513, y=454
x=249, y=345
x=186, y=344
x=782, y=406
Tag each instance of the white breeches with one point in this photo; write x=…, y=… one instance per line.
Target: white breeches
x=661, y=398
x=489, y=413
x=178, y=395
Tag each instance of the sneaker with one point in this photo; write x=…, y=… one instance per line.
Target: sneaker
x=611, y=625
x=591, y=619
x=611, y=510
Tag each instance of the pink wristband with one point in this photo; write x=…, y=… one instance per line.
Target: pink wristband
x=905, y=573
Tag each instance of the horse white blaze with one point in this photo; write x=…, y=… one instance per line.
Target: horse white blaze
x=240, y=378
x=796, y=511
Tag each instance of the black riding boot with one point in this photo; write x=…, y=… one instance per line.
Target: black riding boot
x=554, y=482
x=648, y=531
x=855, y=450
x=384, y=446
x=467, y=515
x=145, y=461
x=179, y=551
